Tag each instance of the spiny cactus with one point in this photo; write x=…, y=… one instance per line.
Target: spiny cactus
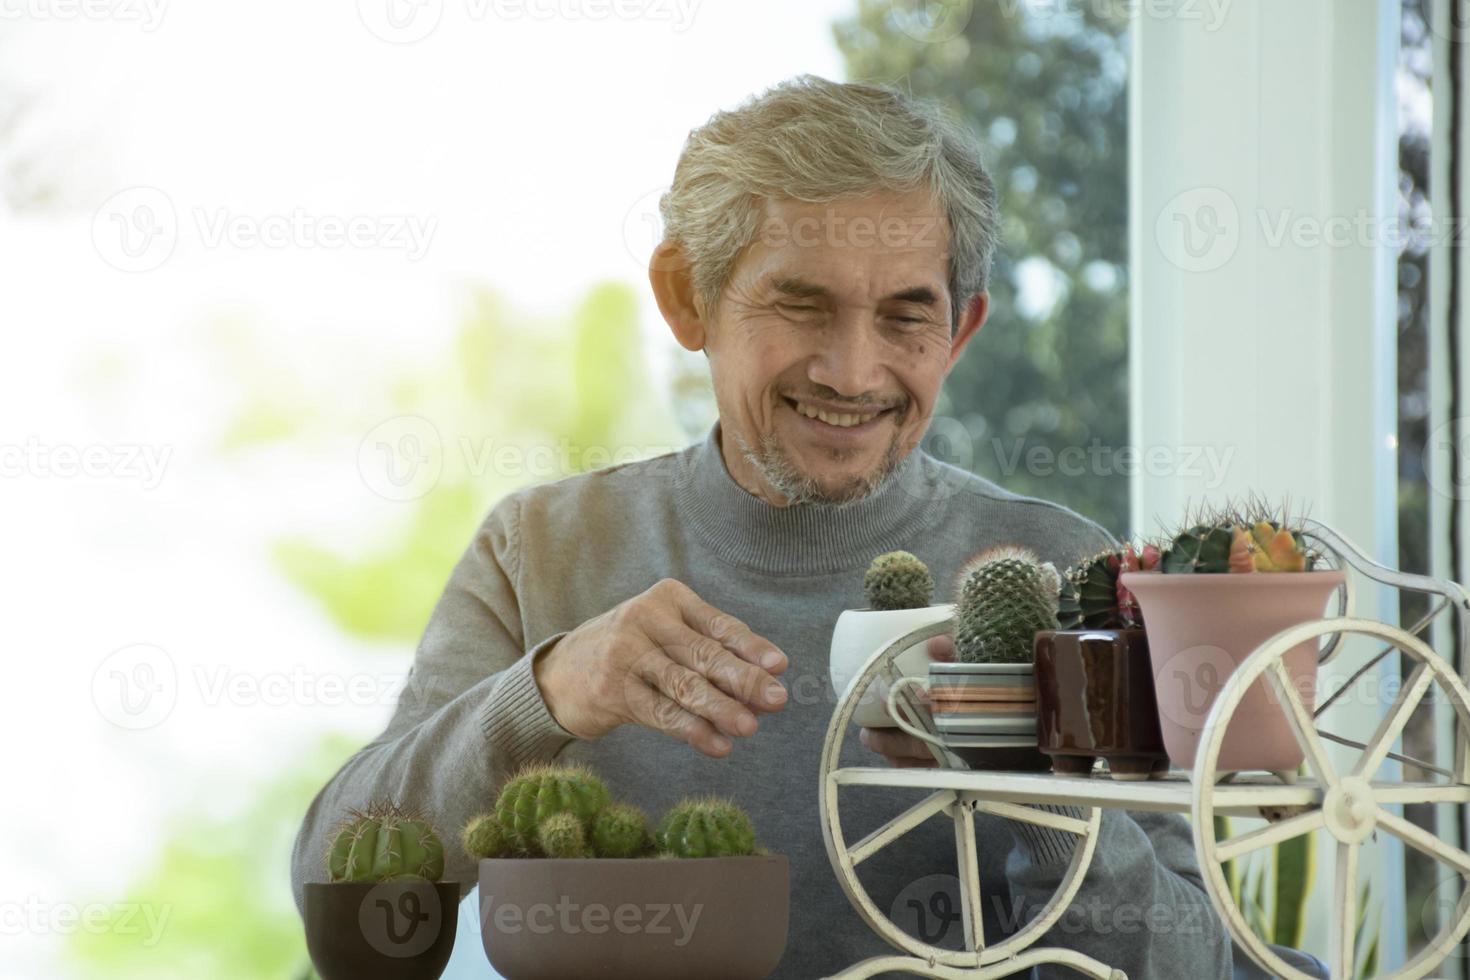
x=1005, y=598
x=1093, y=596
x=484, y=837
x=620, y=831
x=898, y=580
x=1239, y=539
x=384, y=843
x=707, y=827
x=544, y=791
x=562, y=835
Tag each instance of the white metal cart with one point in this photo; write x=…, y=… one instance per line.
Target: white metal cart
x=1349, y=805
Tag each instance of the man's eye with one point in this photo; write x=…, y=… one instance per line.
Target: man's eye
x=799, y=309
x=907, y=320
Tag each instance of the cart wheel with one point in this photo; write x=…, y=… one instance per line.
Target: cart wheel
x=1350, y=806
x=960, y=806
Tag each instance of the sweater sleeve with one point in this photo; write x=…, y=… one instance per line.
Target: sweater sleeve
x=469, y=715
x=1142, y=907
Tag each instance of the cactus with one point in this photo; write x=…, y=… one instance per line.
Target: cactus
x=709, y=827
x=1239, y=540
x=620, y=831
x=539, y=792
x=484, y=837
x=1004, y=599
x=562, y=835
x=384, y=843
x=898, y=580
x=1093, y=596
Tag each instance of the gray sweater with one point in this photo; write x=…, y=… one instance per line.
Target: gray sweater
x=550, y=557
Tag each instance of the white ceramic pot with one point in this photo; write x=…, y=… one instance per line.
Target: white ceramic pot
x=859, y=634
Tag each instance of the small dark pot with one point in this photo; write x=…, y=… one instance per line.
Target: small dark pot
x=1095, y=699
x=398, y=930
x=635, y=918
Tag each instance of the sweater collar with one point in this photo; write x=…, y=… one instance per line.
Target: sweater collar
x=807, y=539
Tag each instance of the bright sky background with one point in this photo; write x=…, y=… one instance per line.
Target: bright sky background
x=533, y=148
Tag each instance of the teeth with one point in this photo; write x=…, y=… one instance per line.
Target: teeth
x=842, y=420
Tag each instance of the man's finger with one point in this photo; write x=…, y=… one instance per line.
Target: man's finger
x=652, y=709
x=941, y=648
x=743, y=681
x=731, y=632
x=663, y=672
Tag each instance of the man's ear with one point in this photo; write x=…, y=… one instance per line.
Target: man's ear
x=673, y=289
x=971, y=320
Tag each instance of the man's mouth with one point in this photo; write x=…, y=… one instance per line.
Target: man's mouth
x=839, y=420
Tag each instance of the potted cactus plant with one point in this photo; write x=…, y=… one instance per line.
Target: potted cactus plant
x=984, y=702
x=1226, y=583
x=384, y=912
x=899, y=589
x=574, y=883
x=1094, y=679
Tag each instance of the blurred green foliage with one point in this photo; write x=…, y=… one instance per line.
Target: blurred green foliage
x=1044, y=87
x=218, y=891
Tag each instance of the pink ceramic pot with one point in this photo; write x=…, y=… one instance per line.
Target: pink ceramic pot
x=1200, y=628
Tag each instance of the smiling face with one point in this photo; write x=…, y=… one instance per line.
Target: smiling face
x=830, y=343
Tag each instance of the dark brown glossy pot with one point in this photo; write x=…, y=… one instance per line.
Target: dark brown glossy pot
x=1095, y=699
x=635, y=918
x=398, y=930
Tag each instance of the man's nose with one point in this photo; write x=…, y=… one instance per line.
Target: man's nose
x=850, y=362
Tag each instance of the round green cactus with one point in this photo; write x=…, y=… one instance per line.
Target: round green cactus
x=708, y=827
x=484, y=837
x=898, y=580
x=384, y=843
x=1005, y=598
x=562, y=835
x=620, y=831
x=540, y=792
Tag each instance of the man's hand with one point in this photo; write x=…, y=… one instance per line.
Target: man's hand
x=667, y=660
x=901, y=749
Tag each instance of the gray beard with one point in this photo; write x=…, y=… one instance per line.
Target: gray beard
x=780, y=472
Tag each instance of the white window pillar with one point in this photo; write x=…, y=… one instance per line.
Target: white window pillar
x=1262, y=192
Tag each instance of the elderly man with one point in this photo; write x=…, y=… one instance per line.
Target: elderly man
x=667, y=622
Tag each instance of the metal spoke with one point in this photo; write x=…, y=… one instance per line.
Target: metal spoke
x=1344, y=926
x=900, y=825
x=1409, y=697
x=1422, y=840
x=971, y=906
x=1026, y=814
x=1303, y=724
x=1273, y=833
x=1417, y=628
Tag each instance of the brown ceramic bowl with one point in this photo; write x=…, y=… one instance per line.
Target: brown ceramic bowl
x=1095, y=699
x=394, y=929
x=635, y=918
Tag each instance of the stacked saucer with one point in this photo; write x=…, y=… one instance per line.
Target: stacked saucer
x=984, y=705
